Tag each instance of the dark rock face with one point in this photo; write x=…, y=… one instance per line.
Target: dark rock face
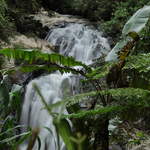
x=26, y=25
x=53, y=4
x=24, y=78
x=93, y=10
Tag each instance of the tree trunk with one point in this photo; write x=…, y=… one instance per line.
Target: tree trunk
x=102, y=135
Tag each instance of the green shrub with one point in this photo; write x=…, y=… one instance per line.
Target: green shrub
x=3, y=7
x=120, y=14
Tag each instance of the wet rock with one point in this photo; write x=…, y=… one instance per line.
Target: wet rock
x=56, y=19
x=26, y=25
x=22, y=41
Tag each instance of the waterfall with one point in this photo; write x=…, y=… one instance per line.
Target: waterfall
x=80, y=41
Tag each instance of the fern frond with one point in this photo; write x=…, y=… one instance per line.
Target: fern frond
x=123, y=99
x=3, y=7
x=100, y=72
x=35, y=55
x=122, y=96
x=140, y=62
x=111, y=111
x=100, y=111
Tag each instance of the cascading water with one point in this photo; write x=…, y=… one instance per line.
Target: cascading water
x=78, y=41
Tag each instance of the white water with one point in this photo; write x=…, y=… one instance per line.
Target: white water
x=79, y=41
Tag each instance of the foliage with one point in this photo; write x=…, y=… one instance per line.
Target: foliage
x=122, y=10
x=52, y=61
x=122, y=96
x=26, y=6
x=32, y=56
x=3, y=8
x=99, y=72
x=139, y=62
x=138, y=21
x=137, y=67
x=108, y=101
x=3, y=19
x=133, y=27
x=112, y=16
x=93, y=10
x=10, y=106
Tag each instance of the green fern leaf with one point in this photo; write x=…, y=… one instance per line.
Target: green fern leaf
x=100, y=111
x=100, y=72
x=32, y=56
x=140, y=62
x=122, y=96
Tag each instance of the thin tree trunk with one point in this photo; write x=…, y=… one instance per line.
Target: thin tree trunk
x=102, y=135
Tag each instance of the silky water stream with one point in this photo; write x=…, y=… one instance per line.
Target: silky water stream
x=80, y=41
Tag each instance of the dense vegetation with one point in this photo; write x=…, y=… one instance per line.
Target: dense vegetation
x=110, y=17
x=120, y=89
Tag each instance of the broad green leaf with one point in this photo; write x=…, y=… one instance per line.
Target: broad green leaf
x=134, y=25
x=113, y=54
x=138, y=21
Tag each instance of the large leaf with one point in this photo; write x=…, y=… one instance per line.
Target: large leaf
x=113, y=54
x=134, y=25
x=138, y=21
